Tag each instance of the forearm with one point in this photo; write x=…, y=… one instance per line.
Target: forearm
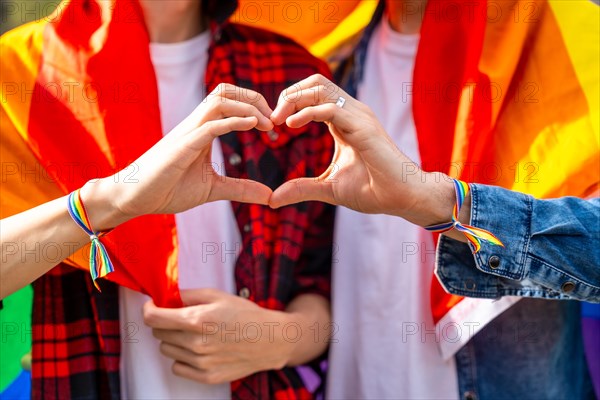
x=312, y=314
x=35, y=241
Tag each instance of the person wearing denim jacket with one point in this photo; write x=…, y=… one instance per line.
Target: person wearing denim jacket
x=534, y=349
x=550, y=252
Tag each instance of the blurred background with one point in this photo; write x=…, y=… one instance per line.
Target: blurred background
x=324, y=28
x=324, y=23
x=16, y=12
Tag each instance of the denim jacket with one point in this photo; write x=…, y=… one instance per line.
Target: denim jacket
x=552, y=252
x=552, y=248
x=534, y=350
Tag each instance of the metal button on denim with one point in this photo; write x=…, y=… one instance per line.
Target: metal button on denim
x=567, y=287
x=494, y=262
x=244, y=293
x=469, y=395
x=235, y=159
x=470, y=284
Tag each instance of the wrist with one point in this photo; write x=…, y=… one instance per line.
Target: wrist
x=98, y=198
x=288, y=348
x=434, y=199
x=464, y=217
x=291, y=324
x=443, y=202
x=275, y=351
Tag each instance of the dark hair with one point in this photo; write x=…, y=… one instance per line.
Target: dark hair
x=219, y=10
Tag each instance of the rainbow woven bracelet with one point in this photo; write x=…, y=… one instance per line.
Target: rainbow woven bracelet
x=100, y=264
x=475, y=236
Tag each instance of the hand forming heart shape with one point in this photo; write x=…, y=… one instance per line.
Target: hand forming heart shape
x=368, y=172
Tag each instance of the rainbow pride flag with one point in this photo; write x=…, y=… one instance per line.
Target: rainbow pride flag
x=507, y=93
x=504, y=92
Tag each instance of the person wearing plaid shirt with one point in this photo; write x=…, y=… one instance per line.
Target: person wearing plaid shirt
x=282, y=270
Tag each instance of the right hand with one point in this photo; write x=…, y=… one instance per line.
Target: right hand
x=368, y=173
x=176, y=174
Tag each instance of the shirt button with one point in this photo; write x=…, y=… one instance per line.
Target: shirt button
x=247, y=228
x=235, y=159
x=273, y=135
x=494, y=262
x=244, y=293
x=567, y=287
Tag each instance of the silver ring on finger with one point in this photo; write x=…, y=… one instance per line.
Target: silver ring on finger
x=340, y=102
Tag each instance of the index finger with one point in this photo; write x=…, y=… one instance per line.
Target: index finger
x=312, y=91
x=245, y=95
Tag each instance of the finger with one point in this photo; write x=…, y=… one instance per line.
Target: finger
x=221, y=107
x=289, y=95
x=294, y=100
x=202, y=136
x=184, y=339
x=311, y=81
x=344, y=121
x=200, y=341
x=180, y=354
x=184, y=318
x=164, y=318
x=248, y=96
x=201, y=296
x=240, y=190
x=302, y=189
x=359, y=129
x=185, y=371
x=330, y=91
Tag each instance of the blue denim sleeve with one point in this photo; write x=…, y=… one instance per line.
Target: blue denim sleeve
x=552, y=248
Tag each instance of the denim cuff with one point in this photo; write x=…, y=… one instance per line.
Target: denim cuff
x=511, y=223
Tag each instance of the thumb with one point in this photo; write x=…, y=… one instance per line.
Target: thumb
x=241, y=190
x=302, y=189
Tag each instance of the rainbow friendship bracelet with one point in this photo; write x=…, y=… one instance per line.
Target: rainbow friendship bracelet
x=475, y=236
x=100, y=264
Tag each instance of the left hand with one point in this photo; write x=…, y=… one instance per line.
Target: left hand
x=219, y=337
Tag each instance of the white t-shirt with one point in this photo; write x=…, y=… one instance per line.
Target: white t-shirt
x=383, y=265
x=209, y=239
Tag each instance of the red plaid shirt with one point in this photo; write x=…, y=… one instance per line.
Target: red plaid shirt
x=286, y=252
